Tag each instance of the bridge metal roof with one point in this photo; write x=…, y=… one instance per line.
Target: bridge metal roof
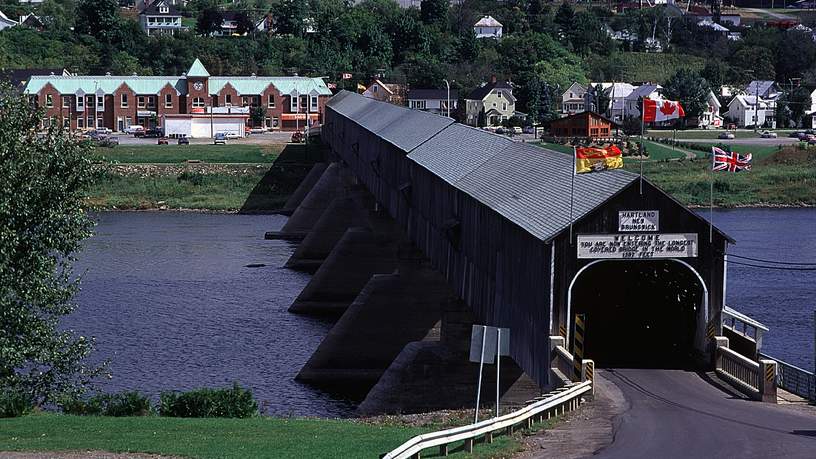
x=528, y=185
x=404, y=128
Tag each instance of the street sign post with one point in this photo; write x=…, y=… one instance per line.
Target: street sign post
x=487, y=342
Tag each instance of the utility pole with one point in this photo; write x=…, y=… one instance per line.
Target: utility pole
x=447, y=83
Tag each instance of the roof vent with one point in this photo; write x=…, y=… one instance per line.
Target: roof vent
x=184, y=74
x=253, y=75
x=134, y=74
x=107, y=74
x=52, y=73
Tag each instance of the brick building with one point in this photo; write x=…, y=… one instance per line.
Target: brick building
x=117, y=102
x=585, y=124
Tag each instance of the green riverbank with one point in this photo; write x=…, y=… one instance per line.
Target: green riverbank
x=227, y=438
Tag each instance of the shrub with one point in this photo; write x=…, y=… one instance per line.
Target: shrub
x=193, y=178
x=14, y=403
x=235, y=402
x=118, y=405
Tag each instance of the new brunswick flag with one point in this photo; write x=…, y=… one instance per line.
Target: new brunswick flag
x=589, y=159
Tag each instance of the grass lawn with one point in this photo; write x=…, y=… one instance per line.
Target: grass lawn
x=658, y=152
x=222, y=438
x=702, y=134
x=231, y=153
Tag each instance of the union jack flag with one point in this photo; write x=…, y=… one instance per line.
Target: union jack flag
x=730, y=161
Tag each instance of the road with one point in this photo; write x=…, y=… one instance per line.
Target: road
x=678, y=414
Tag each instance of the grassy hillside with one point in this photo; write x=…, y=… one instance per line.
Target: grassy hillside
x=656, y=67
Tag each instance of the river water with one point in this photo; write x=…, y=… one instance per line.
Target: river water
x=174, y=306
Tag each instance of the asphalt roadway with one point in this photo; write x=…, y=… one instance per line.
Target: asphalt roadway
x=681, y=414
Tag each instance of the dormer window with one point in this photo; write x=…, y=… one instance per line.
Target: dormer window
x=163, y=9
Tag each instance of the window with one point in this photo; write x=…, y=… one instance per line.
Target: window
x=418, y=104
x=164, y=9
x=124, y=103
x=228, y=100
x=90, y=122
x=90, y=104
x=168, y=101
x=198, y=102
x=66, y=123
x=99, y=122
x=49, y=100
x=66, y=102
x=100, y=102
x=304, y=101
x=274, y=122
x=504, y=106
x=374, y=88
x=151, y=101
x=293, y=103
x=313, y=103
x=140, y=101
x=268, y=122
x=128, y=121
x=80, y=123
x=498, y=94
x=270, y=101
x=244, y=101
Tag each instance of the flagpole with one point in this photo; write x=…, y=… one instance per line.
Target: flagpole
x=642, y=146
x=572, y=188
x=711, y=201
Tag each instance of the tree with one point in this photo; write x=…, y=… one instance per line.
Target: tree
x=563, y=19
x=434, y=11
x=98, y=18
x=209, y=20
x=602, y=99
x=243, y=24
x=690, y=89
x=257, y=115
x=42, y=224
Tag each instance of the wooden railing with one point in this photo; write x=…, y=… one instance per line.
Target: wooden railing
x=557, y=402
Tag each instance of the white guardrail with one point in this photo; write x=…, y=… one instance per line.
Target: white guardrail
x=738, y=369
x=560, y=400
x=794, y=379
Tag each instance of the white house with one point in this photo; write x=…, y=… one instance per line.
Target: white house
x=5, y=22
x=487, y=27
x=745, y=112
x=573, y=100
x=811, y=112
x=433, y=100
x=633, y=102
x=617, y=93
x=711, y=115
x=160, y=17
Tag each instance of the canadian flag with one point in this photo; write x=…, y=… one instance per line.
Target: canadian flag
x=661, y=110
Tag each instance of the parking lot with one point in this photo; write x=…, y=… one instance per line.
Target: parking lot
x=265, y=138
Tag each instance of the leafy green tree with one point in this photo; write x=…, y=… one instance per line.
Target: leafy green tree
x=98, y=18
x=434, y=11
x=587, y=34
x=209, y=20
x=796, y=56
x=42, y=224
x=690, y=89
x=716, y=73
x=601, y=99
x=563, y=19
x=243, y=24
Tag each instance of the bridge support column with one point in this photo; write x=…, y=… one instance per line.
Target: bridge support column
x=312, y=207
x=344, y=212
x=767, y=384
x=303, y=189
x=391, y=311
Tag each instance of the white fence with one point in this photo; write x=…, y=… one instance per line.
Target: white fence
x=794, y=379
x=557, y=402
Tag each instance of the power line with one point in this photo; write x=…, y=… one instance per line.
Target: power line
x=780, y=268
x=771, y=261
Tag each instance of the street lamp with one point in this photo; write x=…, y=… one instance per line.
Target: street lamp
x=448, y=86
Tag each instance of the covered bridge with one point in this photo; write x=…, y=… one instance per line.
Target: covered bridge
x=493, y=216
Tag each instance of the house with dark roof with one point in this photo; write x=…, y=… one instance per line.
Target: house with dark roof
x=490, y=104
x=393, y=93
x=634, y=101
x=160, y=17
x=433, y=100
x=765, y=89
x=587, y=124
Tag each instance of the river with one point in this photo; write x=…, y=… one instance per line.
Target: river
x=174, y=305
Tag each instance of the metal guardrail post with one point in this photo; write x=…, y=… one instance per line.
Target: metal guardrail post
x=588, y=372
x=767, y=380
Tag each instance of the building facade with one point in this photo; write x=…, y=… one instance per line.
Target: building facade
x=573, y=100
x=160, y=17
x=117, y=102
x=586, y=124
x=493, y=102
x=433, y=100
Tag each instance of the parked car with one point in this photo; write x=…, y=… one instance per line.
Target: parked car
x=500, y=130
x=109, y=142
x=795, y=134
x=220, y=138
x=163, y=141
x=104, y=131
x=767, y=134
x=528, y=130
x=233, y=135
x=153, y=133
x=133, y=129
x=183, y=141
x=298, y=137
x=726, y=135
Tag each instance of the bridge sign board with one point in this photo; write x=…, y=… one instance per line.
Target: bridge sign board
x=637, y=246
x=638, y=220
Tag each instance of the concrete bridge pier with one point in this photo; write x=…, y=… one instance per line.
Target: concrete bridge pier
x=431, y=375
x=351, y=209
x=303, y=189
x=328, y=186
x=391, y=311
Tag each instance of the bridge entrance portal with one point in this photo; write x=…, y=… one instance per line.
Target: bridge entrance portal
x=640, y=314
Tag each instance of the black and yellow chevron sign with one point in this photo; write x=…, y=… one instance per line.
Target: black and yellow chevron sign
x=562, y=331
x=590, y=371
x=770, y=373
x=578, y=344
x=711, y=330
